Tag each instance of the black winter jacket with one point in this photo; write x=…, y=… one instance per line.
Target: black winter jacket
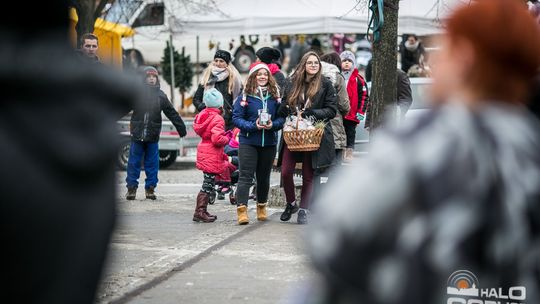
x=324, y=107
x=146, y=120
x=223, y=88
x=280, y=80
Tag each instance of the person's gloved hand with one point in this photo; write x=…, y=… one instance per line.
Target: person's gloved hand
x=201, y=107
x=307, y=113
x=359, y=116
x=283, y=110
x=182, y=132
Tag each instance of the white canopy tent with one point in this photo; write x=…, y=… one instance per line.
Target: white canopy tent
x=226, y=17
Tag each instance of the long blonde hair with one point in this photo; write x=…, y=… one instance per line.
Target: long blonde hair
x=299, y=81
x=233, y=72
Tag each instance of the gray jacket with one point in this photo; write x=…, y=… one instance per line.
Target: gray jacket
x=456, y=190
x=332, y=72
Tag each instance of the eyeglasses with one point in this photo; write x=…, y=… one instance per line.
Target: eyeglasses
x=312, y=63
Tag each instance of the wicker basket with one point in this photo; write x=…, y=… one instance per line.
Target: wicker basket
x=303, y=140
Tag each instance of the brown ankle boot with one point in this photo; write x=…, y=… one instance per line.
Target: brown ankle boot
x=242, y=215
x=201, y=215
x=261, y=212
x=150, y=194
x=131, y=193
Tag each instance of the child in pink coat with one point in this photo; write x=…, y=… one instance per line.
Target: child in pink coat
x=210, y=126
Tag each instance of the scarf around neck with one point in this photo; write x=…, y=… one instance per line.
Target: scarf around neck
x=218, y=75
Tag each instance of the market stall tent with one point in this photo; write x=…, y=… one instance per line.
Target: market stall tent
x=226, y=17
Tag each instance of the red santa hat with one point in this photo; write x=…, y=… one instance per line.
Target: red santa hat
x=254, y=67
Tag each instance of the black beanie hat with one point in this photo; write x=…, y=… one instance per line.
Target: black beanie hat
x=223, y=55
x=268, y=55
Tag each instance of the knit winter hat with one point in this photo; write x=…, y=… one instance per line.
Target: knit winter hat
x=268, y=55
x=223, y=55
x=213, y=99
x=348, y=55
x=150, y=70
x=254, y=67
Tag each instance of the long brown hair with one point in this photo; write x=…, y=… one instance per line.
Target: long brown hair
x=299, y=81
x=251, y=85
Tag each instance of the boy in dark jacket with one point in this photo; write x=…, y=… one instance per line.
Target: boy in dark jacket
x=145, y=129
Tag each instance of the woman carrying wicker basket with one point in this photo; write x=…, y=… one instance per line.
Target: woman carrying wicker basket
x=311, y=97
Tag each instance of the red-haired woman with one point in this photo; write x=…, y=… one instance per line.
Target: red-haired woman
x=460, y=189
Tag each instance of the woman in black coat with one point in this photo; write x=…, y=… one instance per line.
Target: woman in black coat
x=313, y=96
x=223, y=76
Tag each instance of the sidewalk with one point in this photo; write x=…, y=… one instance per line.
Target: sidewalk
x=159, y=255
x=261, y=264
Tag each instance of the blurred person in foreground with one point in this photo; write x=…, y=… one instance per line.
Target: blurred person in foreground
x=463, y=192
x=59, y=143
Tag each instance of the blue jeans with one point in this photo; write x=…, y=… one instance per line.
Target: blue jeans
x=150, y=150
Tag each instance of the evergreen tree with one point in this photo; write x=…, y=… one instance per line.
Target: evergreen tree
x=183, y=70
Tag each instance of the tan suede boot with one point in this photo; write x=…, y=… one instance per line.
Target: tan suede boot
x=261, y=212
x=242, y=215
x=348, y=155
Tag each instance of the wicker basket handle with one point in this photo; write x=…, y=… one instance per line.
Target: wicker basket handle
x=298, y=117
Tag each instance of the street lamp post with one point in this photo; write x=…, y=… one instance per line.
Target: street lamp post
x=171, y=54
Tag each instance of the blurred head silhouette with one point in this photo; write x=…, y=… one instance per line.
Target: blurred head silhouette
x=475, y=65
x=30, y=24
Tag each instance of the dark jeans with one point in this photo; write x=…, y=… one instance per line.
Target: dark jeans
x=150, y=151
x=254, y=160
x=287, y=171
x=350, y=131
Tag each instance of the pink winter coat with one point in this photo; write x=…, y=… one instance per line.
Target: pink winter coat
x=210, y=126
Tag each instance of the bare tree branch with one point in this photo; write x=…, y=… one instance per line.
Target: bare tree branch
x=100, y=7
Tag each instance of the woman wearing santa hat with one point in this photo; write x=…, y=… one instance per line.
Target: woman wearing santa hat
x=255, y=114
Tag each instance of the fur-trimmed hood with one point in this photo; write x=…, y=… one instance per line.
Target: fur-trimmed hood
x=330, y=71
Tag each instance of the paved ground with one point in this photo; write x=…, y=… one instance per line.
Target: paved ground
x=159, y=255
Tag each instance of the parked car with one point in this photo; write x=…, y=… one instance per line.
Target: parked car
x=420, y=105
x=170, y=144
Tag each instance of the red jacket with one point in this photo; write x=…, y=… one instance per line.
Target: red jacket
x=210, y=126
x=358, y=96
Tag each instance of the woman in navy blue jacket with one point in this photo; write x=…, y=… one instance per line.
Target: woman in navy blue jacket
x=255, y=114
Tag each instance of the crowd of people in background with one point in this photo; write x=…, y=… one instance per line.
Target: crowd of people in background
x=413, y=55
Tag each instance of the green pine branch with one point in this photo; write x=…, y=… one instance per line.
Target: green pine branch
x=183, y=69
